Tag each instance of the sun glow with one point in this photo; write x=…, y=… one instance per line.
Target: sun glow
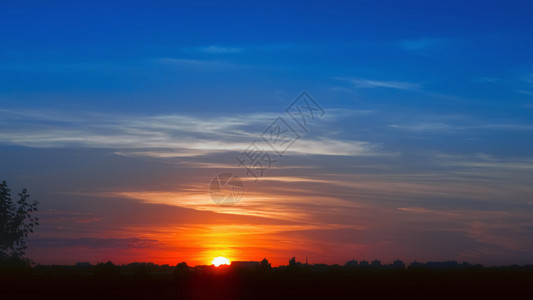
x=217, y=261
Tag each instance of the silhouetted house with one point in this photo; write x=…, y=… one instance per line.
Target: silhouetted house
x=83, y=268
x=82, y=264
x=351, y=263
x=203, y=269
x=376, y=263
x=438, y=265
x=320, y=268
x=245, y=264
x=398, y=265
x=416, y=265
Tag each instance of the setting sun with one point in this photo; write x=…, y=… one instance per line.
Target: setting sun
x=217, y=261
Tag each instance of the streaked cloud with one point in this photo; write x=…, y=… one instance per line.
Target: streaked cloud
x=466, y=126
x=52, y=215
x=422, y=126
x=219, y=49
x=490, y=162
x=94, y=243
x=528, y=78
x=525, y=92
x=163, y=136
x=486, y=79
x=370, y=83
x=202, y=64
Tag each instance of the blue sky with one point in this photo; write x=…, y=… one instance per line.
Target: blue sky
x=429, y=119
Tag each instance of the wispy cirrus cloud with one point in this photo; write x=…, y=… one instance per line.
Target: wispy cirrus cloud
x=440, y=126
x=422, y=126
x=525, y=92
x=486, y=161
x=461, y=123
x=370, y=83
x=67, y=216
x=528, y=88
x=486, y=79
x=94, y=243
x=162, y=136
x=213, y=49
x=528, y=78
x=219, y=49
x=196, y=63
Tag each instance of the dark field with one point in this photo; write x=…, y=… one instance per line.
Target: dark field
x=61, y=282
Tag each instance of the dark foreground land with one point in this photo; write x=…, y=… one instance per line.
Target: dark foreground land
x=111, y=282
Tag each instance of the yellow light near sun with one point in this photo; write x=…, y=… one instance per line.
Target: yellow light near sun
x=217, y=261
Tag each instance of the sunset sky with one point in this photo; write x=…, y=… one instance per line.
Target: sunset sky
x=116, y=117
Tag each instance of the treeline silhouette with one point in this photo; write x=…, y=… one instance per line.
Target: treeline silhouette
x=259, y=280
x=146, y=268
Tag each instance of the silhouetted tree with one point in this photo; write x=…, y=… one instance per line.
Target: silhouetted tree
x=182, y=269
x=293, y=264
x=141, y=271
x=265, y=265
x=16, y=223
